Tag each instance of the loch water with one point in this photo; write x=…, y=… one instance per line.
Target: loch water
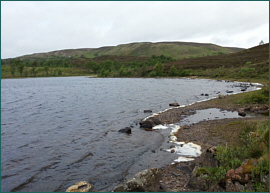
x=58, y=131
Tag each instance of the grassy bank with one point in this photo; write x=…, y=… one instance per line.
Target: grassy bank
x=240, y=140
x=249, y=141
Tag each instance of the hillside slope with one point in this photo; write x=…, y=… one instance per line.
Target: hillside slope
x=253, y=55
x=177, y=50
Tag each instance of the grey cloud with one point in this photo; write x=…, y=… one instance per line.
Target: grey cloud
x=31, y=27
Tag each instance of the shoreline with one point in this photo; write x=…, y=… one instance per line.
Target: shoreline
x=258, y=85
x=175, y=177
x=248, y=81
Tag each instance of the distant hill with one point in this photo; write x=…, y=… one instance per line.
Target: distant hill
x=177, y=50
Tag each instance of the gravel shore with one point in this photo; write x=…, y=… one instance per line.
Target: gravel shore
x=208, y=133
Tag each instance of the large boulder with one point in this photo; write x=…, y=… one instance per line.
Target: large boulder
x=236, y=180
x=81, y=186
x=145, y=181
x=242, y=173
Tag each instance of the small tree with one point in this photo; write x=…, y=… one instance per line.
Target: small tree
x=261, y=42
x=12, y=69
x=159, y=68
x=182, y=72
x=20, y=68
x=173, y=71
x=25, y=73
x=92, y=65
x=34, y=64
x=33, y=71
x=59, y=71
x=46, y=70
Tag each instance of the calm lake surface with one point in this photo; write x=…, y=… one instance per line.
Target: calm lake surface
x=58, y=131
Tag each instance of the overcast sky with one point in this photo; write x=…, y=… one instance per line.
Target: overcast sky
x=38, y=26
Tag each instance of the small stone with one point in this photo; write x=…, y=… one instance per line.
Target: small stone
x=172, y=151
x=174, y=104
x=221, y=96
x=147, y=111
x=242, y=113
x=185, y=127
x=81, y=186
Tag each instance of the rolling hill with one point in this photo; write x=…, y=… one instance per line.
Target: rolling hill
x=177, y=50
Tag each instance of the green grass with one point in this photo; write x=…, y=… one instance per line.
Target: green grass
x=259, y=97
x=254, y=147
x=247, y=72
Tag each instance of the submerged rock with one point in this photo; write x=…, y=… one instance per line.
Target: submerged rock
x=81, y=186
x=244, y=89
x=147, y=111
x=125, y=130
x=145, y=181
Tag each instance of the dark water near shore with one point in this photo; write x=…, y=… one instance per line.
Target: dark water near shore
x=57, y=131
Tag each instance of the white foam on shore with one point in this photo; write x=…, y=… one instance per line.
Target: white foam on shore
x=157, y=127
x=183, y=159
x=186, y=150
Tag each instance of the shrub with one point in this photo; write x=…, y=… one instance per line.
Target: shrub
x=255, y=145
x=182, y=72
x=230, y=157
x=259, y=176
x=159, y=68
x=259, y=97
x=173, y=71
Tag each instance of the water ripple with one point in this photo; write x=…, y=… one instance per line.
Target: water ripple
x=57, y=131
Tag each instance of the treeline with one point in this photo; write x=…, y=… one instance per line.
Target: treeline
x=152, y=67
x=19, y=68
x=63, y=62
